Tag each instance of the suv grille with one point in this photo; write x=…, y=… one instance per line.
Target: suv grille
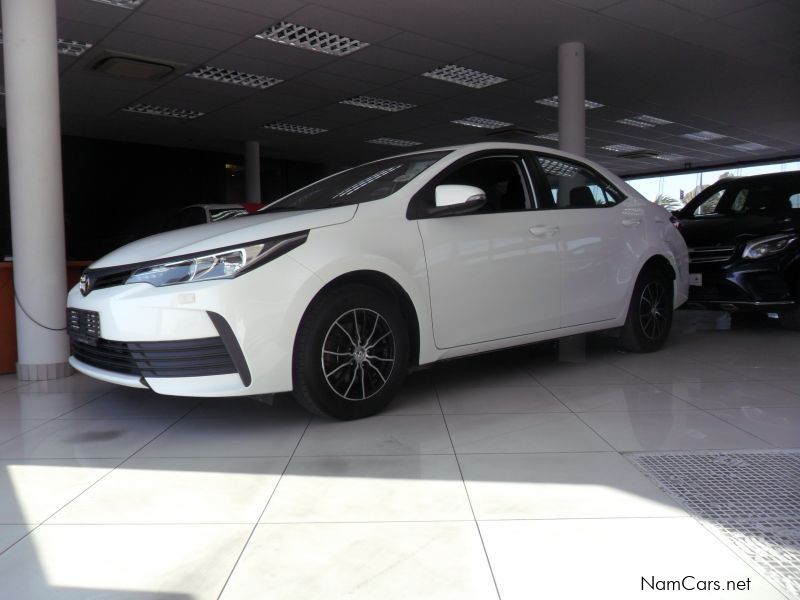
x=710, y=254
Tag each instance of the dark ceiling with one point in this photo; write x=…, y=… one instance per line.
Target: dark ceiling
x=729, y=67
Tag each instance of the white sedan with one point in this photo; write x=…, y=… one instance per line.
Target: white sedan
x=336, y=290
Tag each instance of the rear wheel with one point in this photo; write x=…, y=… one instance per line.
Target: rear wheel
x=649, y=317
x=351, y=353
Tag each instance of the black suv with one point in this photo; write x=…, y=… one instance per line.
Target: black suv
x=744, y=245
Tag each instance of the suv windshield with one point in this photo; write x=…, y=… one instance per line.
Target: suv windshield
x=364, y=183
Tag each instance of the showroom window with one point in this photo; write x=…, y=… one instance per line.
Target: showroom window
x=502, y=178
x=575, y=186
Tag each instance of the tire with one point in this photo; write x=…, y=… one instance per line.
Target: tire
x=649, y=313
x=790, y=319
x=350, y=354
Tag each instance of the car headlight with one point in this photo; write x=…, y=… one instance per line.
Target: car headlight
x=226, y=263
x=767, y=246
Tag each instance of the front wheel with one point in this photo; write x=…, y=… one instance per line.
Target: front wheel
x=351, y=353
x=649, y=313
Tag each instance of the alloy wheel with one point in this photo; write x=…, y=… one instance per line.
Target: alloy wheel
x=653, y=310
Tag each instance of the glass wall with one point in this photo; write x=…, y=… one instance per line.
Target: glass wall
x=674, y=191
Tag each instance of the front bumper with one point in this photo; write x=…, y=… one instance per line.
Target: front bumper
x=214, y=338
x=740, y=284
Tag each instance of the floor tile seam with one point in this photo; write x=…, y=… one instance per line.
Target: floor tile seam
x=59, y=416
x=469, y=503
x=42, y=424
x=708, y=411
x=103, y=395
x=512, y=412
x=263, y=510
x=593, y=430
x=610, y=450
x=104, y=476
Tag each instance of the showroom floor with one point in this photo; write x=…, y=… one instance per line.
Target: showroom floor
x=511, y=475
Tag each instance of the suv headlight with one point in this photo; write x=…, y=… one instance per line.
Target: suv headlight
x=767, y=246
x=225, y=263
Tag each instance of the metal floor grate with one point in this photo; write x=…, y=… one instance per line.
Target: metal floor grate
x=750, y=498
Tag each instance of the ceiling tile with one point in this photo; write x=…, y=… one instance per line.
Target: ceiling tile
x=134, y=43
x=177, y=31
x=281, y=53
x=210, y=16
x=393, y=59
x=771, y=18
x=94, y=13
x=714, y=8
x=425, y=46
x=653, y=14
x=364, y=72
x=273, y=8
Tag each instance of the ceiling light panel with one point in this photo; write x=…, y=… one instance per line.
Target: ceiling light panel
x=463, y=76
x=292, y=128
x=482, y=122
x=669, y=157
x=552, y=101
x=377, y=103
x=308, y=38
x=622, y=148
x=557, y=167
x=652, y=120
x=553, y=137
x=750, y=147
x=220, y=75
x=129, y=4
x=66, y=47
x=72, y=47
x=636, y=123
x=163, y=111
x=704, y=136
x=384, y=141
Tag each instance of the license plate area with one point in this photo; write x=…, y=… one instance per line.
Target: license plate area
x=83, y=325
x=696, y=279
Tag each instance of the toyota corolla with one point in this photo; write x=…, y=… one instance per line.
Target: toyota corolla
x=335, y=291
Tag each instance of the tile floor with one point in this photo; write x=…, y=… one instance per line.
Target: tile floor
x=501, y=476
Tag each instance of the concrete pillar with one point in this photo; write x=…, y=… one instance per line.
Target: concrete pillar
x=37, y=208
x=571, y=98
x=571, y=138
x=252, y=172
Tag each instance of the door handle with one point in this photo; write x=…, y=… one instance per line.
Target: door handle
x=631, y=222
x=544, y=230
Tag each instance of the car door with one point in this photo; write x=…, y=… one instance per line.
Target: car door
x=601, y=236
x=494, y=273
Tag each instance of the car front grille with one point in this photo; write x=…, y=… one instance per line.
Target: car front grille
x=179, y=358
x=710, y=254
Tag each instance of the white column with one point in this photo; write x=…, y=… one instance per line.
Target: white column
x=252, y=172
x=571, y=98
x=37, y=208
x=571, y=138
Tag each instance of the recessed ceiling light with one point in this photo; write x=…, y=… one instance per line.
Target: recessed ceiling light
x=482, y=122
x=308, y=38
x=163, y=111
x=384, y=141
x=622, y=148
x=72, y=47
x=129, y=4
x=553, y=102
x=292, y=128
x=557, y=167
x=704, y=136
x=221, y=75
x=67, y=47
x=464, y=76
x=671, y=157
x=750, y=147
x=653, y=120
x=553, y=137
x=377, y=103
x=635, y=123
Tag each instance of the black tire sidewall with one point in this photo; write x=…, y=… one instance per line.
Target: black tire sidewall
x=310, y=386
x=633, y=337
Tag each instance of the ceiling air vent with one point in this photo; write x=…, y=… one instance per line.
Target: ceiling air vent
x=134, y=67
x=639, y=154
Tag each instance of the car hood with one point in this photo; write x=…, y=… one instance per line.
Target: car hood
x=712, y=231
x=210, y=236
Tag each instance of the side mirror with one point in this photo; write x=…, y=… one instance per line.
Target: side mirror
x=458, y=199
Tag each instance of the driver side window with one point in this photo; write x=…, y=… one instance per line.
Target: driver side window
x=500, y=177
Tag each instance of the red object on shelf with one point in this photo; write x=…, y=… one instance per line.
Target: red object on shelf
x=8, y=328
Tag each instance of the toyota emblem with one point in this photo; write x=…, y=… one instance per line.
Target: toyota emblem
x=84, y=284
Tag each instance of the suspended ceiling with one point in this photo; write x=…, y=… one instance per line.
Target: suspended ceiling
x=729, y=67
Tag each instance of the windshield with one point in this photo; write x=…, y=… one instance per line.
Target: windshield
x=364, y=183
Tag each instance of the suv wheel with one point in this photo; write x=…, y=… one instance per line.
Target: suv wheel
x=791, y=318
x=351, y=354
x=649, y=313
